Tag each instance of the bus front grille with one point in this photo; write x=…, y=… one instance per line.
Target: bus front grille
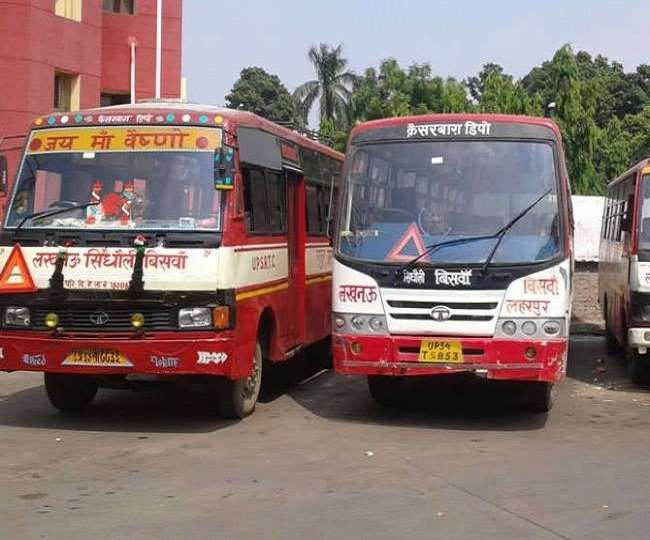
x=105, y=319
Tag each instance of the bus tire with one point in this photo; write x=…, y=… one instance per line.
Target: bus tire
x=638, y=367
x=539, y=397
x=386, y=390
x=70, y=392
x=237, y=398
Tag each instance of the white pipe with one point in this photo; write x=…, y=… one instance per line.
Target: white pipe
x=132, y=44
x=158, y=46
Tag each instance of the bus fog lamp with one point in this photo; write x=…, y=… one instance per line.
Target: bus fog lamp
x=355, y=347
x=530, y=352
x=376, y=323
x=17, y=316
x=509, y=328
x=529, y=328
x=551, y=328
x=200, y=317
x=357, y=322
x=137, y=320
x=51, y=320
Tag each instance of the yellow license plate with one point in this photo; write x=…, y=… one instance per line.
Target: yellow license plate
x=443, y=352
x=97, y=358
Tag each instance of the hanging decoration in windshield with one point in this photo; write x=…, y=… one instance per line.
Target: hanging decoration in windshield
x=466, y=129
x=121, y=139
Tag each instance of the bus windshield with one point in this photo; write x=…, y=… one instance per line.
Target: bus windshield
x=644, y=229
x=154, y=189
x=402, y=197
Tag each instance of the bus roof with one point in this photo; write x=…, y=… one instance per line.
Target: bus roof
x=635, y=168
x=455, y=118
x=170, y=112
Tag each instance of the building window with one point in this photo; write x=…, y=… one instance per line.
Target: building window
x=66, y=92
x=120, y=6
x=106, y=100
x=70, y=9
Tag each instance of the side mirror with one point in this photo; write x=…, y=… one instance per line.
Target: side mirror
x=4, y=180
x=626, y=222
x=224, y=168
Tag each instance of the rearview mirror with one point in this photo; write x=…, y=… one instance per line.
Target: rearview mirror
x=3, y=175
x=224, y=168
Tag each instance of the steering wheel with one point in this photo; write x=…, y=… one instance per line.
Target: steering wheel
x=421, y=213
x=62, y=204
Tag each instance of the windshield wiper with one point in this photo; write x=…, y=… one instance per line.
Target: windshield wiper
x=502, y=232
x=459, y=241
x=49, y=213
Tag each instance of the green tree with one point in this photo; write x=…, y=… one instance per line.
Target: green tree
x=262, y=93
x=576, y=119
x=332, y=86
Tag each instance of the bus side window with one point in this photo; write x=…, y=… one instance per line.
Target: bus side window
x=265, y=201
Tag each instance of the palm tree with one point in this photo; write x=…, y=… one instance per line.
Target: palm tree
x=332, y=86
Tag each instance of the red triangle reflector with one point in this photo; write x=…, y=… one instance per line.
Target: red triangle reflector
x=15, y=276
x=411, y=236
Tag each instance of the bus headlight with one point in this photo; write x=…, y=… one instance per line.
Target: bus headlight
x=509, y=328
x=551, y=328
x=17, y=316
x=359, y=323
x=199, y=317
x=529, y=328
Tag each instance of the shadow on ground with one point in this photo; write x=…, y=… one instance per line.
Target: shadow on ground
x=590, y=363
x=161, y=410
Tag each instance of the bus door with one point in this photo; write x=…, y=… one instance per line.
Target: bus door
x=295, y=312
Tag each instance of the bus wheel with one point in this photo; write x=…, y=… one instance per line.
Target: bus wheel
x=237, y=399
x=638, y=366
x=386, y=390
x=539, y=397
x=70, y=393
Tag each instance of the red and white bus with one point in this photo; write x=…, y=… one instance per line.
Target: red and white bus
x=624, y=267
x=164, y=240
x=453, y=252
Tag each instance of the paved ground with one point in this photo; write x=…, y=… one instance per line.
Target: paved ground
x=321, y=460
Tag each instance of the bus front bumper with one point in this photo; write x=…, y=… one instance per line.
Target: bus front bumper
x=161, y=353
x=493, y=358
x=639, y=338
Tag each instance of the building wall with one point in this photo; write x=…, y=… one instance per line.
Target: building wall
x=36, y=43
x=585, y=294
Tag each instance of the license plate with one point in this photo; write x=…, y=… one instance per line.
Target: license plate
x=97, y=358
x=443, y=352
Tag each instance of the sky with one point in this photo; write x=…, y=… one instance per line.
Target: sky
x=456, y=37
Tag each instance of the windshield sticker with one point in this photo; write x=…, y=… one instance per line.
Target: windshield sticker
x=527, y=307
x=364, y=294
x=123, y=139
x=413, y=277
x=453, y=279
x=469, y=128
x=542, y=286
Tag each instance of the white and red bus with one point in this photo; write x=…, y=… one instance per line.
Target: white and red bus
x=164, y=241
x=624, y=268
x=453, y=253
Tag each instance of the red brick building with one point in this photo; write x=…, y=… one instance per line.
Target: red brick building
x=73, y=54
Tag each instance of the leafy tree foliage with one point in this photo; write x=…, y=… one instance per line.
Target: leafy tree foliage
x=331, y=87
x=262, y=93
x=602, y=111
